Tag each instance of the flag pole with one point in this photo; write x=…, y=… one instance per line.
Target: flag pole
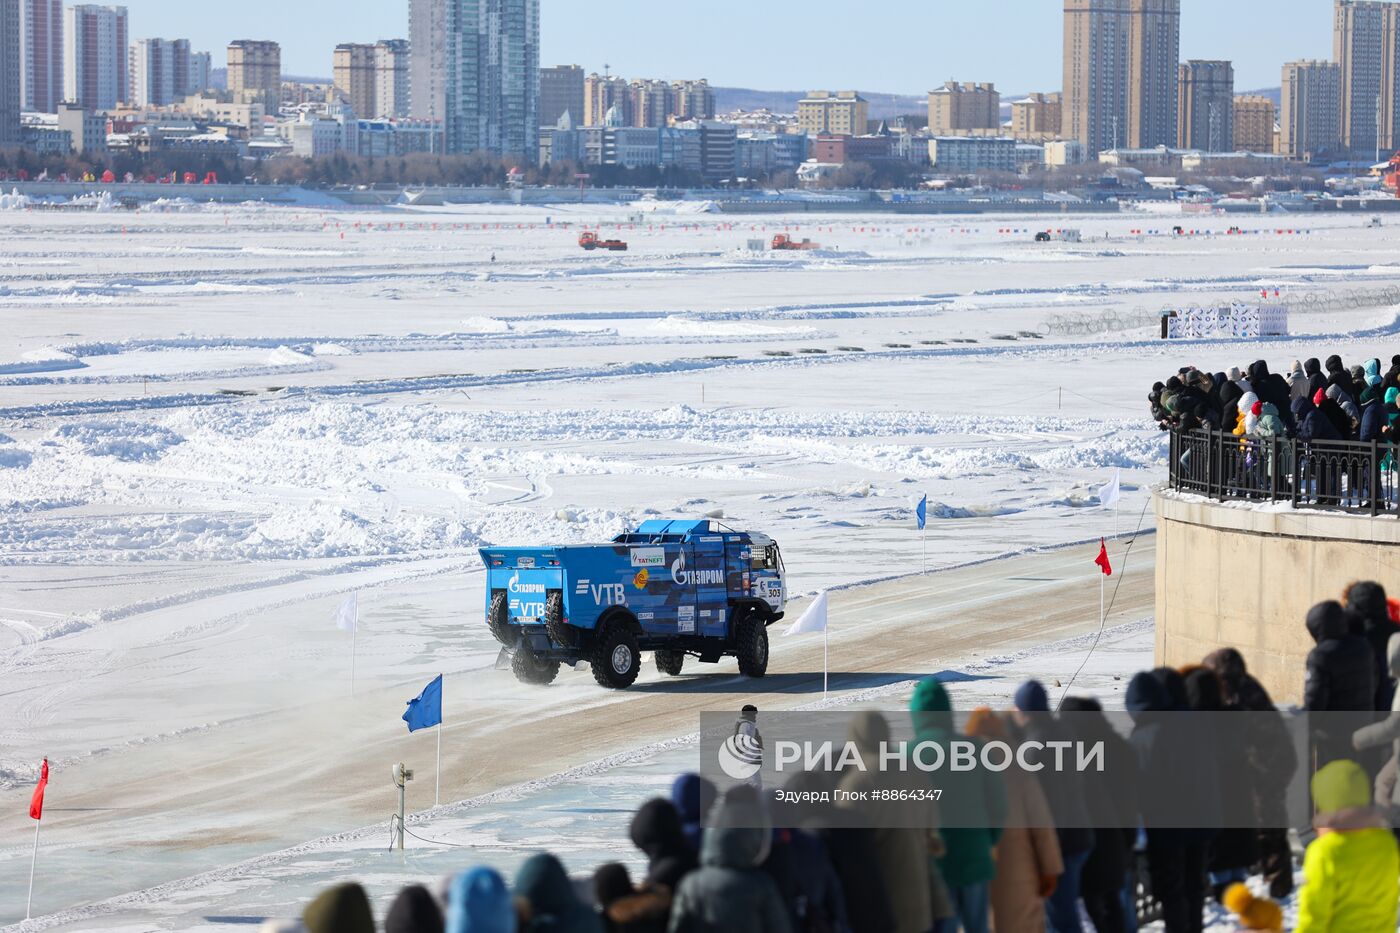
x=354, y=637
x=826, y=654
x=437, y=783
x=923, y=560
x=33, y=860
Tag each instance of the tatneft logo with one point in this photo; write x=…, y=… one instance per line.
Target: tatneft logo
x=740, y=756
x=958, y=755
x=515, y=586
x=648, y=557
x=684, y=577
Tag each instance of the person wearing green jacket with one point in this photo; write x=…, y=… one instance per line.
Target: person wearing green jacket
x=1351, y=870
x=978, y=797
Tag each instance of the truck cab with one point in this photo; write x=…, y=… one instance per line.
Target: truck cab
x=675, y=588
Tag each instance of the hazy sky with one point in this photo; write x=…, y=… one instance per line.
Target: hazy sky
x=899, y=46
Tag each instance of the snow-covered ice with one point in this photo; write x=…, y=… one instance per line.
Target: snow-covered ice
x=216, y=421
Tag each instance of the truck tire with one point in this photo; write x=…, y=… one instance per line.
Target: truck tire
x=560, y=632
x=529, y=669
x=615, y=659
x=497, y=620
x=670, y=662
x=751, y=644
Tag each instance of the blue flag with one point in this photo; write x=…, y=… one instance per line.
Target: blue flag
x=921, y=511
x=425, y=709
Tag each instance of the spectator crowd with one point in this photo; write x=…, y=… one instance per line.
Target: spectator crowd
x=1025, y=855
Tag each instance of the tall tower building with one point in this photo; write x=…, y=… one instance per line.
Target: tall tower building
x=255, y=70
x=200, y=63
x=352, y=70
x=160, y=71
x=41, y=54
x=1120, y=72
x=391, y=89
x=373, y=78
x=475, y=65
x=95, y=56
x=1310, y=112
x=603, y=92
x=1366, y=44
x=10, y=91
x=1207, y=106
x=561, y=91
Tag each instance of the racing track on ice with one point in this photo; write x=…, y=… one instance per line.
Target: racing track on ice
x=266, y=783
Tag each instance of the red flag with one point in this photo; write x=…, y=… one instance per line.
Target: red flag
x=36, y=803
x=1102, y=559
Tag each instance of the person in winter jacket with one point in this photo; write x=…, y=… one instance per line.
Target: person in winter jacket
x=1235, y=848
x=691, y=794
x=1269, y=423
x=799, y=865
x=730, y=893
x=343, y=908
x=1353, y=414
x=550, y=902
x=1168, y=750
x=1351, y=871
x=1372, y=378
x=1113, y=808
x=414, y=911
x=1387, y=730
x=903, y=837
x=1070, y=814
x=1029, y=865
x=1340, y=679
x=1297, y=382
x=1271, y=763
x=969, y=864
x=479, y=902
x=1316, y=379
x=1334, y=414
x=1270, y=387
x=625, y=909
x=1369, y=613
x=1255, y=913
x=1390, y=431
x=1311, y=424
x=656, y=830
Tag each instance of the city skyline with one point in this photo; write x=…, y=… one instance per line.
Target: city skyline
x=1256, y=35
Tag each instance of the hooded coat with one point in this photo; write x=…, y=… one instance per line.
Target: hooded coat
x=1169, y=761
x=981, y=794
x=1113, y=803
x=414, y=911
x=343, y=908
x=657, y=830
x=901, y=839
x=1270, y=387
x=1369, y=614
x=689, y=793
x=1372, y=417
x=798, y=863
x=1387, y=730
x=1298, y=382
x=1316, y=378
x=1268, y=747
x=1340, y=668
x=730, y=893
x=553, y=904
x=1311, y=424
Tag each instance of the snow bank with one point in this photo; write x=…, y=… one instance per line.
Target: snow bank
x=44, y=360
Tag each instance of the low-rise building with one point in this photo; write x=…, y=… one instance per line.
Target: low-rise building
x=1036, y=117
x=1061, y=152
x=39, y=132
x=965, y=106
x=972, y=153
x=1195, y=161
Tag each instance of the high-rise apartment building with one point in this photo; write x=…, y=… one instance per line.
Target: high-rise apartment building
x=843, y=113
x=1206, y=110
x=1310, y=111
x=1254, y=124
x=10, y=89
x=1120, y=72
x=1036, y=116
x=653, y=103
x=162, y=73
x=95, y=56
x=693, y=100
x=561, y=91
x=475, y=65
x=200, y=63
x=255, y=71
x=966, y=106
x=373, y=78
x=41, y=54
x=603, y=92
x=1366, y=44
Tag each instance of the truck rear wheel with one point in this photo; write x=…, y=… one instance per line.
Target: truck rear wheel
x=615, y=659
x=497, y=620
x=529, y=669
x=751, y=645
x=560, y=632
x=670, y=662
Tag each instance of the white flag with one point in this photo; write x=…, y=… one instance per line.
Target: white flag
x=813, y=620
x=348, y=615
x=1109, y=493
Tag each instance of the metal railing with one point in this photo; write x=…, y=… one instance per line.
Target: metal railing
x=1348, y=476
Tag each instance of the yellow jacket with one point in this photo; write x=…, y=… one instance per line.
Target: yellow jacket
x=1352, y=883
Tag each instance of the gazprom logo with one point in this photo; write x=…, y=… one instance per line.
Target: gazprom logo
x=515, y=586
x=683, y=577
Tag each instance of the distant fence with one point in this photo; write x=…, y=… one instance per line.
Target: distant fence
x=1339, y=475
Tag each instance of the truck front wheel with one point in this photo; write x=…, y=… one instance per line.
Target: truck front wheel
x=751, y=645
x=615, y=659
x=670, y=662
x=528, y=669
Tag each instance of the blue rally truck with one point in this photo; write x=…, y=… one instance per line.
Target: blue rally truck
x=673, y=588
